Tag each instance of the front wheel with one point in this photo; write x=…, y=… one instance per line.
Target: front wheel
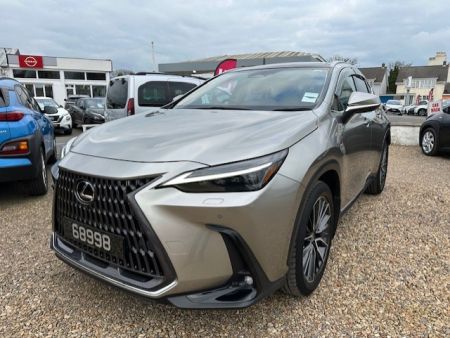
x=377, y=185
x=311, y=244
x=422, y=112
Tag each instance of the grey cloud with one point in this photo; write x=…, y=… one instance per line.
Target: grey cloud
x=372, y=31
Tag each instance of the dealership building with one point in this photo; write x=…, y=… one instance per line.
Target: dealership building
x=57, y=77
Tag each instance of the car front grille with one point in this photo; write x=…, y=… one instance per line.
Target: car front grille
x=109, y=212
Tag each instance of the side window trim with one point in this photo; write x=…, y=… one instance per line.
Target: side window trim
x=344, y=74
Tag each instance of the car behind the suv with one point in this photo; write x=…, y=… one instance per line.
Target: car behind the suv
x=134, y=94
x=227, y=194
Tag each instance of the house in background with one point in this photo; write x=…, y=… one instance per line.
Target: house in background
x=424, y=78
x=377, y=77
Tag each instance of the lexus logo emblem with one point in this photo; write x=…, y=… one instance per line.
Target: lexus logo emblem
x=85, y=192
x=30, y=61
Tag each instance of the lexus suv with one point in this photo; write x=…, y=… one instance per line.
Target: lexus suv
x=226, y=194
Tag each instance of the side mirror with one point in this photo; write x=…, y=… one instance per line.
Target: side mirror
x=360, y=102
x=50, y=110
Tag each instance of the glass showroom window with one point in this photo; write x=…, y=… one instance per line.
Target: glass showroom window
x=96, y=76
x=48, y=74
x=24, y=74
x=74, y=76
x=98, y=91
x=83, y=90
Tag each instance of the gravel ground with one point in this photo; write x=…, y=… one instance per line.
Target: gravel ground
x=388, y=274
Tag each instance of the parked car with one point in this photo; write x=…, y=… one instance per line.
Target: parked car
x=27, y=140
x=422, y=108
x=71, y=99
x=409, y=109
x=394, y=106
x=134, y=94
x=435, y=132
x=61, y=119
x=88, y=111
x=213, y=202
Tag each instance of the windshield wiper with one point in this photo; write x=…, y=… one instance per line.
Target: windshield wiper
x=219, y=108
x=292, y=109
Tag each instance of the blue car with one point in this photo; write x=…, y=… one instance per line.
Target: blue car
x=27, y=138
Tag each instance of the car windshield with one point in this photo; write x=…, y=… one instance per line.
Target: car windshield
x=260, y=89
x=46, y=103
x=95, y=103
x=394, y=102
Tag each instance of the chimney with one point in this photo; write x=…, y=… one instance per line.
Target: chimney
x=383, y=65
x=444, y=63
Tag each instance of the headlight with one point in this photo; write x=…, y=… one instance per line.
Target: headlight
x=65, y=150
x=68, y=117
x=249, y=175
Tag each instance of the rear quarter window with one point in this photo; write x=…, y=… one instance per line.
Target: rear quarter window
x=154, y=94
x=117, y=94
x=179, y=88
x=4, y=97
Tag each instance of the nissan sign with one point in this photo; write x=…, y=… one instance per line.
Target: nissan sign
x=30, y=61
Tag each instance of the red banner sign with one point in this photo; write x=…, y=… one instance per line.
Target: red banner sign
x=225, y=65
x=30, y=61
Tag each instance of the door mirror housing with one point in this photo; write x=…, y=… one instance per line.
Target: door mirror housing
x=360, y=102
x=50, y=110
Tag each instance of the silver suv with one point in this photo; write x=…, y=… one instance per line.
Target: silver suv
x=228, y=193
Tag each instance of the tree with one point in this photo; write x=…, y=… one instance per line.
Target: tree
x=352, y=61
x=120, y=72
x=394, y=68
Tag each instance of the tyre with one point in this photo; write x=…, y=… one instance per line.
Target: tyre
x=68, y=131
x=422, y=112
x=39, y=185
x=428, y=142
x=311, y=244
x=377, y=185
x=53, y=157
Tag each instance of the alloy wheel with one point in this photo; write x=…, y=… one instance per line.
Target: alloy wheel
x=428, y=142
x=317, y=239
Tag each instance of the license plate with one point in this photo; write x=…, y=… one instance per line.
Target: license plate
x=106, y=242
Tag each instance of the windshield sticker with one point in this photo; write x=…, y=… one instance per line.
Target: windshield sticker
x=310, y=97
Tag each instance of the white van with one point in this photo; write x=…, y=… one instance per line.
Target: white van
x=144, y=92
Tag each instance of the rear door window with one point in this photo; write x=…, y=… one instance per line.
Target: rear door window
x=117, y=94
x=154, y=94
x=179, y=88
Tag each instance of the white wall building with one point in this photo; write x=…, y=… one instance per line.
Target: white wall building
x=57, y=77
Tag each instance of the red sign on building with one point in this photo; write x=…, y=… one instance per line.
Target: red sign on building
x=225, y=65
x=30, y=61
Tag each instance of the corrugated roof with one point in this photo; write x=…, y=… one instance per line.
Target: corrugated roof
x=248, y=56
x=374, y=73
x=423, y=72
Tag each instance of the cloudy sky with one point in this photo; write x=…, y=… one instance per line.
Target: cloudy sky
x=371, y=31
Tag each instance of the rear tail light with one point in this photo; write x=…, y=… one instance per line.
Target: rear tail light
x=130, y=107
x=12, y=116
x=15, y=148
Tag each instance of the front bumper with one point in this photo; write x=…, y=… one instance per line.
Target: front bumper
x=226, y=250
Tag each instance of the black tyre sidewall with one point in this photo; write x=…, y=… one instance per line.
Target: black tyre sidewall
x=319, y=189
